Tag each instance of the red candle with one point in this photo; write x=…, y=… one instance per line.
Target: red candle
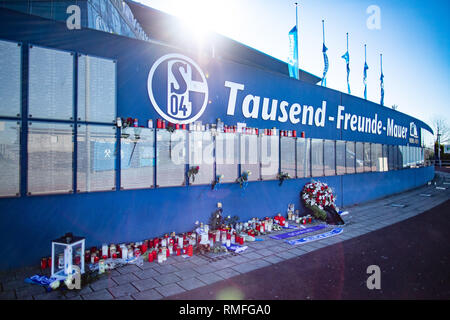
x=154, y=254
x=49, y=262
x=190, y=250
x=303, y=134
x=183, y=126
x=294, y=133
x=241, y=241
x=96, y=259
x=150, y=257
x=177, y=126
x=143, y=248
x=43, y=263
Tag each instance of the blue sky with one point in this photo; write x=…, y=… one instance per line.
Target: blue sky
x=413, y=38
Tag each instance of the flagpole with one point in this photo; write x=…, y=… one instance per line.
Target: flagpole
x=348, y=58
x=323, y=31
x=365, y=54
x=365, y=80
x=381, y=62
x=298, y=40
x=381, y=80
x=347, y=41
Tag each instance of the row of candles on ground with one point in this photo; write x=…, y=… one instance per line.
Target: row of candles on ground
x=158, y=249
x=162, y=124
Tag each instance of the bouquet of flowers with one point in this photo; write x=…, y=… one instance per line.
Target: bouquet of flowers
x=218, y=180
x=192, y=172
x=316, y=196
x=243, y=179
x=282, y=176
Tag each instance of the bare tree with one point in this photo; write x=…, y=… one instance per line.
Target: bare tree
x=440, y=127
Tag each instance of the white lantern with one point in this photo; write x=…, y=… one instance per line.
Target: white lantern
x=68, y=244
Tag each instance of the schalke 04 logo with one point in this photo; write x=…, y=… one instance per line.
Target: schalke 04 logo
x=177, y=88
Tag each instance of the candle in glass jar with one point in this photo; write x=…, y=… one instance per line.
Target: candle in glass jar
x=104, y=249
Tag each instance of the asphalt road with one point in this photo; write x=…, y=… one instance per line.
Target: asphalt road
x=413, y=256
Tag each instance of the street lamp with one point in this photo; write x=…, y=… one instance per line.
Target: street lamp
x=439, y=147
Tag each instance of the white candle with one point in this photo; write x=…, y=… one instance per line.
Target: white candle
x=104, y=249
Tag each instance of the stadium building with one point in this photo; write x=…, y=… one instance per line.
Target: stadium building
x=71, y=162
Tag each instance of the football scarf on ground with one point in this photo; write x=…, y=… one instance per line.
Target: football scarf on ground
x=324, y=235
x=297, y=232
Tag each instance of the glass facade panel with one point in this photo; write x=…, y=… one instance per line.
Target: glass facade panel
x=137, y=158
x=367, y=157
x=50, y=87
x=303, y=158
x=201, y=154
x=269, y=157
x=340, y=157
x=9, y=158
x=317, y=157
x=250, y=155
x=227, y=156
x=329, y=157
x=96, y=89
x=359, y=157
x=350, y=157
x=50, y=158
x=171, y=158
x=10, y=79
x=96, y=158
x=287, y=152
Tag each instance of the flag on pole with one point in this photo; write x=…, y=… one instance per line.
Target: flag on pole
x=325, y=58
x=293, y=53
x=346, y=57
x=365, y=73
x=382, y=81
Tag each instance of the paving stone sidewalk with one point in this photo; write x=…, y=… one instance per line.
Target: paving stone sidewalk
x=154, y=281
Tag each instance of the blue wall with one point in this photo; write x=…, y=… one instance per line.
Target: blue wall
x=28, y=224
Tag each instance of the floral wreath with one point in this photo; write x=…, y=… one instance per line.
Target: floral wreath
x=316, y=196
